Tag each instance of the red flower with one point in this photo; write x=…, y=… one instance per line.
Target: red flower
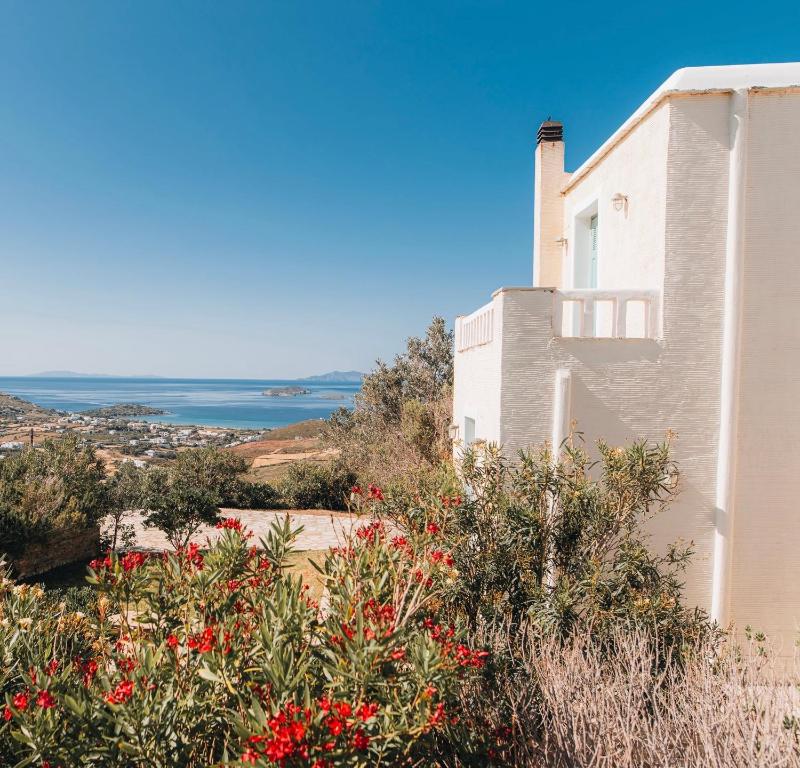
x=371, y=533
x=432, y=528
x=52, y=667
x=335, y=726
x=172, y=641
x=343, y=708
x=360, y=740
x=7, y=714
x=356, y=490
x=20, y=700
x=249, y=756
x=375, y=492
x=231, y=524
x=398, y=653
x=45, y=700
x=89, y=670
x=437, y=715
x=204, y=641
x=132, y=560
x=366, y=711
x=192, y=555
x=121, y=693
x=467, y=658
x=101, y=563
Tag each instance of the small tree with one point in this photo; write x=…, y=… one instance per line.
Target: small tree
x=211, y=470
x=402, y=413
x=176, y=505
x=125, y=491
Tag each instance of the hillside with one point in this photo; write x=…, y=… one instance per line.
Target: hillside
x=12, y=407
x=342, y=377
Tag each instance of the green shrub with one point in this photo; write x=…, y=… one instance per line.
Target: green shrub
x=221, y=658
x=246, y=495
x=317, y=486
x=57, y=486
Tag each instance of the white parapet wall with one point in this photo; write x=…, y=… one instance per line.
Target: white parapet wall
x=477, y=368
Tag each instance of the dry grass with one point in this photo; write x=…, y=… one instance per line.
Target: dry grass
x=575, y=708
x=300, y=563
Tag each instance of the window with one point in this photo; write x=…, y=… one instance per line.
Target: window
x=469, y=431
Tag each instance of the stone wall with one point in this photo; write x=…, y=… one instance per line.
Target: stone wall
x=65, y=547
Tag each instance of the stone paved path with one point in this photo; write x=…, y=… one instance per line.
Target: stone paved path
x=320, y=529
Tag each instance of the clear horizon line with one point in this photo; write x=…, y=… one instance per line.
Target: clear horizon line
x=76, y=375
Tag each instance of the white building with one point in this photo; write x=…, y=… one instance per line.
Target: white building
x=666, y=295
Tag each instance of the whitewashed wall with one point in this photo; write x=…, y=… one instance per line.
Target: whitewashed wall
x=476, y=389
x=765, y=579
x=631, y=243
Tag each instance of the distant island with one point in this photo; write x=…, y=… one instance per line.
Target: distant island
x=77, y=375
x=349, y=377
x=286, y=391
x=123, y=409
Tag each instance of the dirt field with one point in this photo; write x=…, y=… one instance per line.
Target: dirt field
x=297, y=442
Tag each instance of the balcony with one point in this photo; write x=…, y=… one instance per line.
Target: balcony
x=476, y=329
x=595, y=313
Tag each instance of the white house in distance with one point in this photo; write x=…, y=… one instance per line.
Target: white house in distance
x=666, y=295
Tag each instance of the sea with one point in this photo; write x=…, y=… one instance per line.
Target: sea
x=236, y=403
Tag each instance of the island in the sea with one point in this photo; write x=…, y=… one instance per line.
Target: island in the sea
x=123, y=409
x=286, y=391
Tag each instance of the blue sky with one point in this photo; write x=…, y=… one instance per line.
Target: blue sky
x=276, y=189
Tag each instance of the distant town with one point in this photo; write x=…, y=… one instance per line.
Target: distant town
x=119, y=432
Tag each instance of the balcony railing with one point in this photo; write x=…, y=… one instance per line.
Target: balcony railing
x=599, y=313
x=475, y=329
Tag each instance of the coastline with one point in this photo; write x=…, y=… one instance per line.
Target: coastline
x=231, y=404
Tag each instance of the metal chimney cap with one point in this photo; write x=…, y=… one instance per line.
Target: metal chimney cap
x=550, y=130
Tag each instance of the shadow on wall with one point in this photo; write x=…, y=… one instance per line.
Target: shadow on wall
x=596, y=354
x=690, y=518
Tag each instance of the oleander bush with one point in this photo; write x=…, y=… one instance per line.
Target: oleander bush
x=221, y=657
x=58, y=486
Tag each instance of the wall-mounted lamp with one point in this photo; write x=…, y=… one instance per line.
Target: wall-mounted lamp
x=620, y=202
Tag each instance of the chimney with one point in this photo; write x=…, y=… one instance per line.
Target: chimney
x=548, y=205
